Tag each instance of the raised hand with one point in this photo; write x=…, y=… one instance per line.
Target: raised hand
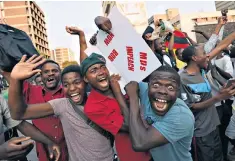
x=27, y=68
x=114, y=78
x=222, y=20
x=132, y=88
x=93, y=40
x=12, y=150
x=74, y=30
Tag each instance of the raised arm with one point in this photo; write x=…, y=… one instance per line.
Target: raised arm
x=121, y=101
x=192, y=42
x=202, y=33
x=222, y=45
x=216, y=36
x=82, y=40
x=142, y=138
x=171, y=46
x=18, y=108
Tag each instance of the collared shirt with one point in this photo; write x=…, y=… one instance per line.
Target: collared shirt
x=51, y=125
x=177, y=126
x=105, y=112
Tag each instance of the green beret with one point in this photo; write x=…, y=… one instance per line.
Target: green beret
x=91, y=60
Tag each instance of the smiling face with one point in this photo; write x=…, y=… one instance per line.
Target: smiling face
x=98, y=77
x=74, y=87
x=163, y=91
x=159, y=46
x=50, y=76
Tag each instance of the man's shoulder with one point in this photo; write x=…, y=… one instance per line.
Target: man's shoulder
x=180, y=109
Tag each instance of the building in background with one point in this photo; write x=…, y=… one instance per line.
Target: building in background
x=204, y=21
x=61, y=55
x=135, y=11
x=27, y=16
x=220, y=5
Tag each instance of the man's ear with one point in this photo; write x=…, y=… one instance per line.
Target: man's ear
x=85, y=79
x=194, y=58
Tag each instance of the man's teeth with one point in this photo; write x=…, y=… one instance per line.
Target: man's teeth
x=159, y=100
x=102, y=79
x=75, y=94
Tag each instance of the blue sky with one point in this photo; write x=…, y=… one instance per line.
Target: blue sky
x=82, y=13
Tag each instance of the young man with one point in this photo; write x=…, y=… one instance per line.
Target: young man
x=52, y=89
x=84, y=143
x=10, y=150
x=196, y=92
x=102, y=107
x=170, y=121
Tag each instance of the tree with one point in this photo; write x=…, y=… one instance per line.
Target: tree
x=67, y=63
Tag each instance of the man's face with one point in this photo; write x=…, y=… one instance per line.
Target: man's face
x=50, y=76
x=201, y=58
x=98, y=77
x=74, y=87
x=38, y=81
x=159, y=46
x=163, y=90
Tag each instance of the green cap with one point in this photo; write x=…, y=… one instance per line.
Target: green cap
x=91, y=60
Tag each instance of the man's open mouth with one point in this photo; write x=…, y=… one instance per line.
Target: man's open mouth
x=160, y=104
x=103, y=81
x=76, y=97
x=50, y=80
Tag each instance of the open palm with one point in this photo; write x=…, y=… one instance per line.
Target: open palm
x=27, y=68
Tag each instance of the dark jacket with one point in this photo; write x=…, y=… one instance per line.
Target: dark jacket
x=14, y=43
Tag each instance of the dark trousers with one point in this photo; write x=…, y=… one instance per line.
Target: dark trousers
x=208, y=148
x=225, y=113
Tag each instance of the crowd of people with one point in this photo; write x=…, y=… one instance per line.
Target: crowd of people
x=177, y=113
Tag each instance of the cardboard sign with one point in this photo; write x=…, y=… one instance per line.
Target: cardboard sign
x=125, y=50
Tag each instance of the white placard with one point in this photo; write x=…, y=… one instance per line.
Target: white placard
x=126, y=52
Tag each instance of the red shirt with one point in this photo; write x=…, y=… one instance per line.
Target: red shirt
x=105, y=112
x=51, y=126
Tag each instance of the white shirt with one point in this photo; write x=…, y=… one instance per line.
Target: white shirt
x=167, y=60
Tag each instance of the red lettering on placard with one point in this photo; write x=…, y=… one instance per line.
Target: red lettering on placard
x=113, y=55
x=130, y=58
x=108, y=39
x=143, y=61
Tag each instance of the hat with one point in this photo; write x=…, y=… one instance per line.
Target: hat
x=91, y=60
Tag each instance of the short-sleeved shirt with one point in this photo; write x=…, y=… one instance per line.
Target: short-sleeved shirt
x=177, y=126
x=5, y=116
x=106, y=113
x=195, y=88
x=51, y=126
x=84, y=143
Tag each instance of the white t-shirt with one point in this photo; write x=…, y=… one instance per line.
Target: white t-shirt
x=167, y=60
